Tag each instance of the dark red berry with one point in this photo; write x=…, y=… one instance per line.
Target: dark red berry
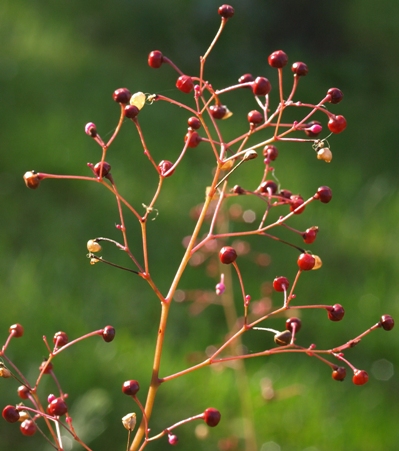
x=32, y=179
x=28, y=427
x=285, y=193
x=122, y=95
x=335, y=95
x=193, y=139
x=106, y=168
x=309, y=130
x=336, y=312
x=387, y=322
x=270, y=152
x=281, y=283
x=155, y=59
x=23, y=392
x=164, y=167
x=130, y=388
x=16, y=330
x=60, y=339
x=261, y=86
x=238, y=190
x=299, y=69
x=337, y=124
x=108, y=333
x=185, y=84
x=339, y=373
x=218, y=111
x=246, y=78
x=10, y=414
x=227, y=255
x=278, y=59
x=131, y=111
x=306, y=262
x=310, y=234
x=194, y=123
x=212, y=417
x=283, y=338
x=226, y=11
x=46, y=366
x=295, y=202
x=268, y=187
x=360, y=377
x=57, y=407
x=293, y=323
x=324, y=194
x=254, y=117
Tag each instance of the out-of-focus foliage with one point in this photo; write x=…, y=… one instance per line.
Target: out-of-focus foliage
x=59, y=64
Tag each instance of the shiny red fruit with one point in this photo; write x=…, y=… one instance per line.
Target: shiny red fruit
x=336, y=312
x=108, y=333
x=28, y=428
x=155, y=59
x=57, y=407
x=212, y=417
x=130, y=388
x=122, y=95
x=227, y=255
x=360, y=377
x=278, y=59
x=339, y=373
x=306, y=262
x=337, y=124
x=185, y=84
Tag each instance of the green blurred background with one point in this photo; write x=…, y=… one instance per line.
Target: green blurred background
x=60, y=61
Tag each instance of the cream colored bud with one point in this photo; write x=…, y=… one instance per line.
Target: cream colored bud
x=23, y=416
x=324, y=154
x=318, y=263
x=227, y=114
x=93, y=246
x=227, y=165
x=129, y=421
x=5, y=372
x=250, y=155
x=138, y=100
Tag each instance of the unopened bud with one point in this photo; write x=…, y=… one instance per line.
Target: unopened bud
x=32, y=180
x=138, y=100
x=129, y=421
x=93, y=246
x=324, y=154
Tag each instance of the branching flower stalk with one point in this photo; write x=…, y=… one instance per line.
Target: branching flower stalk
x=211, y=237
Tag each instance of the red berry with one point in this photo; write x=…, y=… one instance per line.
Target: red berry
x=218, y=111
x=108, y=333
x=164, y=167
x=336, y=312
x=227, y=255
x=193, y=139
x=310, y=234
x=47, y=366
x=281, y=283
x=131, y=111
x=32, y=179
x=360, y=377
x=194, y=123
x=226, y=11
x=335, y=94
x=10, y=414
x=254, y=117
x=387, y=322
x=16, y=330
x=28, y=427
x=299, y=69
x=337, y=124
x=155, y=59
x=268, y=187
x=23, y=392
x=246, y=78
x=261, y=86
x=238, y=190
x=270, y=152
x=106, y=168
x=122, y=95
x=339, y=373
x=295, y=202
x=130, y=388
x=60, y=339
x=306, y=262
x=309, y=130
x=57, y=407
x=212, y=417
x=278, y=59
x=292, y=323
x=324, y=194
x=185, y=84
x=285, y=193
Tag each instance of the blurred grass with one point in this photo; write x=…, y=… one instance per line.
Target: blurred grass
x=59, y=64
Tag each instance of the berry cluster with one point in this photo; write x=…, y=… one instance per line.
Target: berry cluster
x=211, y=239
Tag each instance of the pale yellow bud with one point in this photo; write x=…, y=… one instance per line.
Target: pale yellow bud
x=93, y=246
x=318, y=263
x=227, y=114
x=138, y=100
x=129, y=421
x=324, y=154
